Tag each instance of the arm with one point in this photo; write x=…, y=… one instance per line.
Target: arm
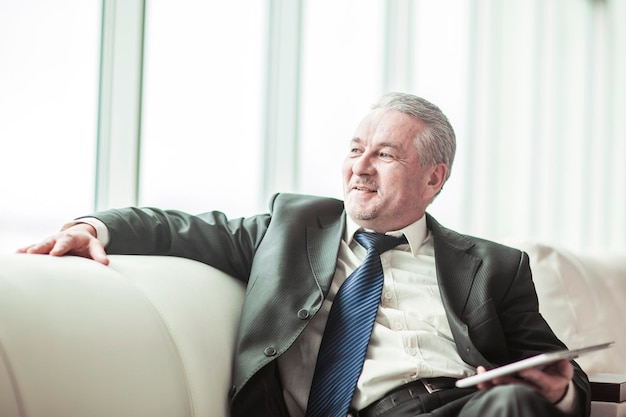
x=527, y=333
x=211, y=238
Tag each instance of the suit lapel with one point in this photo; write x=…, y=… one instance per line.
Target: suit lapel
x=323, y=248
x=456, y=267
x=456, y=271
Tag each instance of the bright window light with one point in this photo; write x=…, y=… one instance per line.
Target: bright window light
x=202, y=116
x=49, y=53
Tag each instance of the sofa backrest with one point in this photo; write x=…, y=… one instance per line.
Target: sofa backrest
x=583, y=298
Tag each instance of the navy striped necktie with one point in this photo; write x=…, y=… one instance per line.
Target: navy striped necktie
x=348, y=331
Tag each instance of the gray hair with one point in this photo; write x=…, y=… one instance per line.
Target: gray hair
x=437, y=142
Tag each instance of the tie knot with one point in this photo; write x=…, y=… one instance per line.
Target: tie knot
x=378, y=241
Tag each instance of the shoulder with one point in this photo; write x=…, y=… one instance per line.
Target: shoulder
x=302, y=203
x=293, y=214
x=477, y=246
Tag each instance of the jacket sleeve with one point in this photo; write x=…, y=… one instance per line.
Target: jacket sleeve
x=211, y=238
x=527, y=331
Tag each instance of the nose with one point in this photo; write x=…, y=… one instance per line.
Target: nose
x=363, y=165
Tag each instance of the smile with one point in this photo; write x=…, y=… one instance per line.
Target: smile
x=364, y=189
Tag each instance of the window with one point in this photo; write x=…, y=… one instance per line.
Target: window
x=341, y=77
x=202, y=115
x=48, y=107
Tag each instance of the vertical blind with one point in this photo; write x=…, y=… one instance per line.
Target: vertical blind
x=545, y=143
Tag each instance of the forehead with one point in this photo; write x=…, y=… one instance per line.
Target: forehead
x=388, y=126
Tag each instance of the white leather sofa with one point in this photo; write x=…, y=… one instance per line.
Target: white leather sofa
x=153, y=336
x=143, y=337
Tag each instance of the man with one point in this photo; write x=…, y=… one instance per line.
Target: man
x=450, y=305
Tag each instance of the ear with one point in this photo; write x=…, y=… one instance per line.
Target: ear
x=437, y=178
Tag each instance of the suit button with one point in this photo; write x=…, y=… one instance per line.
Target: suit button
x=269, y=351
x=304, y=314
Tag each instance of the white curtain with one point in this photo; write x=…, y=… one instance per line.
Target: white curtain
x=542, y=142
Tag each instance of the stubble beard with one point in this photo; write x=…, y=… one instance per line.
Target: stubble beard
x=360, y=207
x=363, y=213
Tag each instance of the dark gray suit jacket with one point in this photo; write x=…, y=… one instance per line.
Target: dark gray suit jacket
x=287, y=258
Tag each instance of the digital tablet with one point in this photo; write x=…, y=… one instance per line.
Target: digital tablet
x=537, y=361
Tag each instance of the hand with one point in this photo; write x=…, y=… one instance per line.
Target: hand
x=552, y=381
x=79, y=239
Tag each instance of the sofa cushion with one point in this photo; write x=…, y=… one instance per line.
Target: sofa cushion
x=583, y=299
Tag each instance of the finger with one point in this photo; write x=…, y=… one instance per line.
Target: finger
x=508, y=379
x=553, y=387
x=42, y=247
x=564, y=368
x=63, y=246
x=560, y=369
x=485, y=385
x=97, y=252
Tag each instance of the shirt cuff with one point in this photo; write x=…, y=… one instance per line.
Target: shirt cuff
x=569, y=403
x=102, y=232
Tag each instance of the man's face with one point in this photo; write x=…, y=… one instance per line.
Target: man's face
x=384, y=186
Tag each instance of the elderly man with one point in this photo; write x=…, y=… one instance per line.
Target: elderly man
x=367, y=306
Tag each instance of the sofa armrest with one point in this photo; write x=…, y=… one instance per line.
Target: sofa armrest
x=144, y=336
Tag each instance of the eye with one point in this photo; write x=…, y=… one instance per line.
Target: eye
x=386, y=156
x=355, y=151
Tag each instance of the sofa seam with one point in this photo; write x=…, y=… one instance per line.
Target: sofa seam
x=175, y=346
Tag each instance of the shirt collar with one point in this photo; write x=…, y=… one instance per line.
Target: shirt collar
x=415, y=233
